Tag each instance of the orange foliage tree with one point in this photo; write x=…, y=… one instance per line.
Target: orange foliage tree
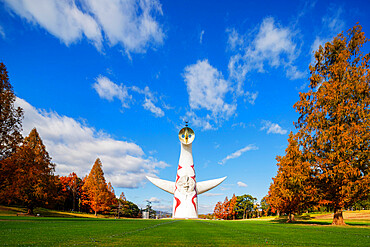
x=217, y=212
x=33, y=182
x=96, y=192
x=232, y=205
x=292, y=189
x=334, y=122
x=10, y=133
x=71, y=188
x=10, y=117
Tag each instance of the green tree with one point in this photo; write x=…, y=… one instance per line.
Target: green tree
x=152, y=213
x=334, y=122
x=244, y=204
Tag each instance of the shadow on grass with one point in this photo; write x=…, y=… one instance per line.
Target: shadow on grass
x=316, y=222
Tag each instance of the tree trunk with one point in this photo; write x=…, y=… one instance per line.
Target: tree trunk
x=290, y=218
x=338, y=217
x=96, y=213
x=30, y=210
x=74, y=200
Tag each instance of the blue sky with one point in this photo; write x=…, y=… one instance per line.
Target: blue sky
x=116, y=80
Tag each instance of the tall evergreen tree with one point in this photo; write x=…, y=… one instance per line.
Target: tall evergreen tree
x=334, y=122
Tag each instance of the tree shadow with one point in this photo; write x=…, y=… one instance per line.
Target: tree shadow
x=316, y=222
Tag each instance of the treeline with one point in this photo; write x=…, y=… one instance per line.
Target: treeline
x=326, y=163
x=238, y=207
x=27, y=172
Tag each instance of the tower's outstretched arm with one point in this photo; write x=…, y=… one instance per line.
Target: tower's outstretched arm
x=163, y=184
x=205, y=186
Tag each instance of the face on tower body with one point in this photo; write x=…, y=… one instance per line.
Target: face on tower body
x=186, y=135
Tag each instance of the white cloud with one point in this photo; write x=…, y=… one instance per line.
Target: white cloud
x=273, y=45
x=154, y=200
x=207, y=90
x=2, y=33
x=201, y=37
x=238, y=153
x=109, y=90
x=251, y=97
x=272, y=128
x=235, y=40
x=208, y=194
x=62, y=19
x=332, y=24
x=205, y=208
x=74, y=147
x=130, y=23
x=241, y=184
x=149, y=105
x=149, y=101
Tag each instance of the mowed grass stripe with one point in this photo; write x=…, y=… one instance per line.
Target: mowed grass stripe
x=65, y=231
x=110, y=232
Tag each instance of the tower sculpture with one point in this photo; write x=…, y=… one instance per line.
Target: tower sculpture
x=185, y=189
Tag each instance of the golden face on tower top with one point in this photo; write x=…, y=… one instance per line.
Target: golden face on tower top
x=186, y=135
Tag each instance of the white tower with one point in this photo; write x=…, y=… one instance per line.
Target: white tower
x=185, y=189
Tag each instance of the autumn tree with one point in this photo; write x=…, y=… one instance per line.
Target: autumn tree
x=292, y=189
x=33, y=182
x=232, y=205
x=97, y=195
x=218, y=210
x=226, y=209
x=334, y=122
x=71, y=189
x=10, y=132
x=10, y=117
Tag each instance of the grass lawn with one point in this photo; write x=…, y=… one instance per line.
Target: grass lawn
x=51, y=231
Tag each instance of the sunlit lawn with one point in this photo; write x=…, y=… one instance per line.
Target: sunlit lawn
x=85, y=231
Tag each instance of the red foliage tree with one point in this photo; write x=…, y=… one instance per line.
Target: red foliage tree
x=71, y=189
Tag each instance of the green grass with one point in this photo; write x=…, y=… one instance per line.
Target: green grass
x=49, y=231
